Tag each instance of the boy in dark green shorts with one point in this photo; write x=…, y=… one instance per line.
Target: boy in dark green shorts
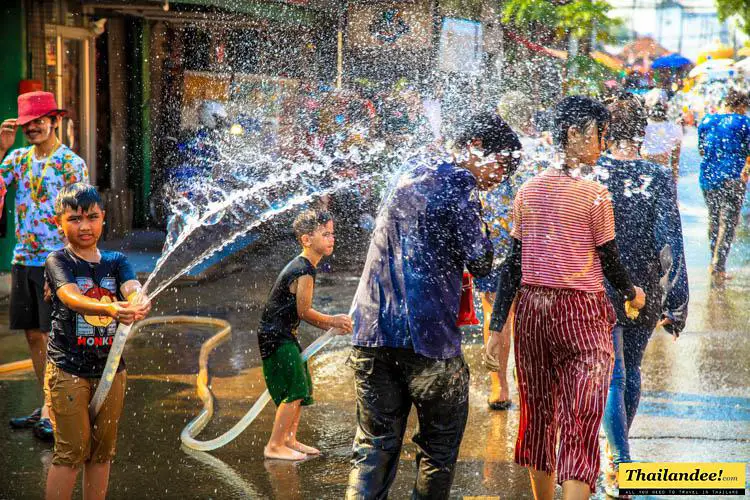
x=290, y=301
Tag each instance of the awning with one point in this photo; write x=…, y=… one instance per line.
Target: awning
x=607, y=60
x=233, y=11
x=535, y=47
x=715, y=51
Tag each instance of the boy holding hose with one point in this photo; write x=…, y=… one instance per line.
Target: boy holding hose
x=286, y=374
x=87, y=290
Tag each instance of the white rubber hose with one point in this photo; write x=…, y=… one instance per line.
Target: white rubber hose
x=195, y=426
x=118, y=345
x=110, y=370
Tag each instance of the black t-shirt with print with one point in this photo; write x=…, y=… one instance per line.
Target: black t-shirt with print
x=79, y=344
x=279, y=322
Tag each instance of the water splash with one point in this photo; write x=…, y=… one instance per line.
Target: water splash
x=249, y=189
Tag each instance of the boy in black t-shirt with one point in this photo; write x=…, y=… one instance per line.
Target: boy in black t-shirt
x=88, y=289
x=286, y=374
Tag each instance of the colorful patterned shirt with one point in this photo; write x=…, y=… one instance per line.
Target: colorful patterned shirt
x=497, y=207
x=36, y=232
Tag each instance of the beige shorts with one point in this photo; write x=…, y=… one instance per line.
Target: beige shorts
x=76, y=440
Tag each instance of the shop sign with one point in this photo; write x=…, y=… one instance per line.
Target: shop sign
x=389, y=25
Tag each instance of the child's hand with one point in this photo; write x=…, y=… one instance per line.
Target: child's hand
x=639, y=300
x=141, y=302
x=342, y=323
x=143, y=310
x=47, y=292
x=121, y=312
x=127, y=313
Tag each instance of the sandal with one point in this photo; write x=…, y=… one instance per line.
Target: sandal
x=500, y=405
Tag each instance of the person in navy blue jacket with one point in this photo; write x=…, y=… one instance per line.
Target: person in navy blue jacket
x=407, y=344
x=649, y=236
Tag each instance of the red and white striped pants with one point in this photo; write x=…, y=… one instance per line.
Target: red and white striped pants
x=564, y=359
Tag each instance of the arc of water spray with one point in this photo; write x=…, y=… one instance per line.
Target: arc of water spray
x=123, y=331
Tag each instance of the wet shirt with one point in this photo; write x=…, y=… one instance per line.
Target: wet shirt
x=279, y=322
x=649, y=236
x=724, y=140
x=661, y=138
x=79, y=343
x=36, y=189
x=561, y=219
x=428, y=230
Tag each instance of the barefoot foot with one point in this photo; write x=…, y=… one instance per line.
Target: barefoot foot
x=282, y=453
x=499, y=394
x=303, y=448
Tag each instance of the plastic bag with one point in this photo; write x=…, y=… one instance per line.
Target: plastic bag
x=467, y=314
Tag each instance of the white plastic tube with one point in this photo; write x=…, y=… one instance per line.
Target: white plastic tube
x=195, y=426
x=110, y=370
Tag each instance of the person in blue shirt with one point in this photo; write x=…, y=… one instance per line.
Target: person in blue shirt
x=406, y=343
x=649, y=237
x=724, y=143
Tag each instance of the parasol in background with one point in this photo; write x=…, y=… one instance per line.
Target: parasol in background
x=671, y=61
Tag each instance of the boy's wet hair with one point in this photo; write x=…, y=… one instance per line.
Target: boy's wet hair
x=627, y=118
x=495, y=134
x=309, y=221
x=736, y=99
x=578, y=111
x=75, y=196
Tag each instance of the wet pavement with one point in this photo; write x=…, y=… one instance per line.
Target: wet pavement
x=695, y=404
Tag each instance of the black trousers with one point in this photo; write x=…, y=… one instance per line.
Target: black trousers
x=388, y=382
x=724, y=206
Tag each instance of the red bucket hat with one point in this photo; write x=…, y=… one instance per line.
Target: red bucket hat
x=33, y=105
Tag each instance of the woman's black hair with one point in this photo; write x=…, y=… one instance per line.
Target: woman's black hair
x=658, y=112
x=735, y=99
x=578, y=111
x=75, y=196
x=496, y=137
x=627, y=118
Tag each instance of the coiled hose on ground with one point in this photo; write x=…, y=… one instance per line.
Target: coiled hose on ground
x=195, y=426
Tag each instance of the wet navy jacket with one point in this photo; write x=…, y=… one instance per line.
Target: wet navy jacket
x=427, y=231
x=649, y=236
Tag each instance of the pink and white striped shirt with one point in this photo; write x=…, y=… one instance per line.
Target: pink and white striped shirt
x=561, y=220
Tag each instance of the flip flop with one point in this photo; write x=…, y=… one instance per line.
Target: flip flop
x=500, y=405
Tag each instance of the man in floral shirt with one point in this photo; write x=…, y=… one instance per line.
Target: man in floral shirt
x=39, y=172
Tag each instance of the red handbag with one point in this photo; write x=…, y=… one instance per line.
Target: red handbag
x=467, y=315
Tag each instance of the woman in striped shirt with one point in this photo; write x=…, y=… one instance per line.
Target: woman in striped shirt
x=563, y=248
